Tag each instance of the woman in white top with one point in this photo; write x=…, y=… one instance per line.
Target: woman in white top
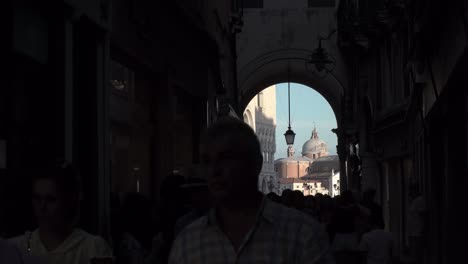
x=56, y=201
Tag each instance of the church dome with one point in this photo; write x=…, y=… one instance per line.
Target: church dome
x=314, y=145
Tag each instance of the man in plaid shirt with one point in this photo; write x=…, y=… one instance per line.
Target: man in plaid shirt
x=245, y=226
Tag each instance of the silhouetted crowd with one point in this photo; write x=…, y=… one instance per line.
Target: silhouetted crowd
x=350, y=222
x=346, y=219
x=216, y=215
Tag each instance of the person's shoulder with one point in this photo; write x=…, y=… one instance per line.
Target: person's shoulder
x=88, y=237
x=96, y=244
x=20, y=241
x=9, y=251
x=418, y=202
x=366, y=235
x=17, y=240
x=191, y=232
x=194, y=227
x=290, y=216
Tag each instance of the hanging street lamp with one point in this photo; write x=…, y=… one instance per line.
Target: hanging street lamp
x=320, y=62
x=289, y=135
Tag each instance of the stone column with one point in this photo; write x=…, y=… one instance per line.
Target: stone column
x=341, y=150
x=370, y=172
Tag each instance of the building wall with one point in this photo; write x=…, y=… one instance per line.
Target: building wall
x=64, y=102
x=297, y=168
x=286, y=41
x=171, y=102
x=260, y=114
x=314, y=156
x=59, y=95
x=306, y=187
x=335, y=190
x=285, y=186
x=403, y=91
x=290, y=32
x=292, y=169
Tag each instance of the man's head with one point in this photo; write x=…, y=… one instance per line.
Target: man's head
x=231, y=158
x=56, y=196
x=274, y=197
x=287, y=198
x=298, y=199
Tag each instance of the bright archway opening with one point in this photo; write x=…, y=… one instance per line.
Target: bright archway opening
x=311, y=165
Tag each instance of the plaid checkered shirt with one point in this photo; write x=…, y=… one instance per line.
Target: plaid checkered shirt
x=280, y=235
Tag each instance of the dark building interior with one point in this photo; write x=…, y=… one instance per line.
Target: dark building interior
x=124, y=89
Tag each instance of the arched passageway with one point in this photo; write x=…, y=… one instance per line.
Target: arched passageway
x=284, y=66
x=309, y=105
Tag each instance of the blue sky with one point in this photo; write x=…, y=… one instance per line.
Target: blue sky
x=307, y=107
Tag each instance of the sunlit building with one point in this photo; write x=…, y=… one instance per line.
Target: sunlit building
x=313, y=172
x=260, y=114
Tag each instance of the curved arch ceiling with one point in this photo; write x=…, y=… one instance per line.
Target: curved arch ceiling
x=272, y=68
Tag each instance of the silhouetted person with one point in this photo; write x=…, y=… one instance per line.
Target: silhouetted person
x=378, y=244
x=172, y=208
x=245, y=226
x=56, y=202
x=326, y=209
x=343, y=228
x=310, y=206
x=287, y=198
x=274, y=197
x=368, y=200
x=136, y=235
x=198, y=203
x=319, y=201
x=417, y=224
x=116, y=225
x=298, y=200
x=10, y=254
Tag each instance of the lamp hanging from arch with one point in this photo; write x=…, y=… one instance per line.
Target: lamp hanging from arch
x=289, y=135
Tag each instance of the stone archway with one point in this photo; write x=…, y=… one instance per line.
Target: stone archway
x=248, y=118
x=263, y=59
x=289, y=65
x=272, y=68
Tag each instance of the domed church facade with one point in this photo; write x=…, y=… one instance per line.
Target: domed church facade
x=314, y=148
x=313, y=172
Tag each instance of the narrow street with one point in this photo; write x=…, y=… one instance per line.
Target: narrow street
x=123, y=90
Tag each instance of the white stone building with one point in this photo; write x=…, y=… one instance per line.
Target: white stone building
x=307, y=187
x=260, y=114
x=335, y=184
